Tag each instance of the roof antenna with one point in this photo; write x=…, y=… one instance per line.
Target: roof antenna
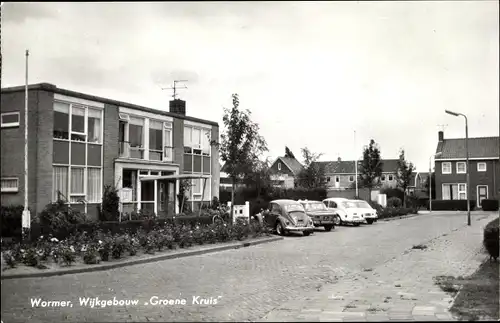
x=442, y=126
x=175, y=87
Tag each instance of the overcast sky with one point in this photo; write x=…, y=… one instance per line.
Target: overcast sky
x=311, y=73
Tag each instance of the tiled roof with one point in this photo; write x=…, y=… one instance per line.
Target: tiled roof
x=478, y=148
x=347, y=166
x=293, y=164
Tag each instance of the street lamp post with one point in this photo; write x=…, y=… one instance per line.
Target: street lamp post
x=456, y=114
x=430, y=180
x=356, y=167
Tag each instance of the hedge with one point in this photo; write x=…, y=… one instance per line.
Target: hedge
x=451, y=205
x=489, y=205
x=393, y=212
x=11, y=217
x=116, y=227
x=491, y=238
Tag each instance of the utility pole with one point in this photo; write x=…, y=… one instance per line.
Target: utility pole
x=26, y=217
x=175, y=87
x=356, y=165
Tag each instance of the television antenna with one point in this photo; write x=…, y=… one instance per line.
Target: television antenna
x=442, y=126
x=175, y=87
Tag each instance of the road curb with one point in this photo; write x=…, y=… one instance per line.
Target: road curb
x=102, y=267
x=400, y=217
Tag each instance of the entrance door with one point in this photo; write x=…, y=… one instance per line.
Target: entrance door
x=482, y=193
x=162, y=198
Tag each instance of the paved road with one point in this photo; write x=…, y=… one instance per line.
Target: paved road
x=248, y=283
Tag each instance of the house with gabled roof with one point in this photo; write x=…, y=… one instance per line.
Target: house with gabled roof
x=417, y=184
x=285, y=170
x=341, y=174
x=450, y=168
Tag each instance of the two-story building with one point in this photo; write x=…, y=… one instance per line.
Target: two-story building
x=79, y=143
x=285, y=171
x=451, y=168
x=341, y=174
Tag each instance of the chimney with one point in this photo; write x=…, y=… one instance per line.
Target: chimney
x=440, y=136
x=178, y=106
x=339, y=159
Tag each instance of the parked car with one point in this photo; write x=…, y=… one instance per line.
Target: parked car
x=369, y=213
x=321, y=216
x=345, y=210
x=286, y=216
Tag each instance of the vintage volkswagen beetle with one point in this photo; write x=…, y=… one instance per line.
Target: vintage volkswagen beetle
x=319, y=213
x=286, y=216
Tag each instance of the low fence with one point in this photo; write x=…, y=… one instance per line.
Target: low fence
x=240, y=211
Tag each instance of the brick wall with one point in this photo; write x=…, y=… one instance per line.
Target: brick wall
x=178, y=143
x=215, y=171
x=110, y=142
x=491, y=177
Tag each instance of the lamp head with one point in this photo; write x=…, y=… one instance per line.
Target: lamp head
x=452, y=113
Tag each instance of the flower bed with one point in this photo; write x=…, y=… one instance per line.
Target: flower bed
x=100, y=246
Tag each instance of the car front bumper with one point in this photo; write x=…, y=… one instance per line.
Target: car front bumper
x=361, y=220
x=299, y=229
x=323, y=222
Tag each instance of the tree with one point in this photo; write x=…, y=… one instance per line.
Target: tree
x=288, y=153
x=371, y=166
x=404, y=174
x=240, y=145
x=312, y=175
x=433, y=186
x=260, y=177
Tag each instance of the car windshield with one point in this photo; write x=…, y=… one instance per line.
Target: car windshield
x=363, y=205
x=349, y=205
x=315, y=206
x=294, y=208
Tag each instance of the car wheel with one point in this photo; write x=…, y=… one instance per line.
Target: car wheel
x=328, y=227
x=306, y=233
x=369, y=221
x=337, y=220
x=356, y=224
x=279, y=229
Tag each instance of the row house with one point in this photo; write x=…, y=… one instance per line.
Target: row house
x=341, y=174
x=451, y=168
x=285, y=172
x=80, y=143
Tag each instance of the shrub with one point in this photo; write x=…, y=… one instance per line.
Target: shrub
x=452, y=205
x=379, y=208
x=30, y=257
x=9, y=258
x=491, y=238
x=394, y=202
x=489, y=205
x=91, y=254
x=60, y=219
x=10, y=217
x=391, y=192
x=240, y=229
x=118, y=246
x=109, y=210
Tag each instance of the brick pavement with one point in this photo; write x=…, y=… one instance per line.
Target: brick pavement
x=401, y=289
x=295, y=273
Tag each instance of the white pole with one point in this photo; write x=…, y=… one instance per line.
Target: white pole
x=26, y=213
x=356, y=165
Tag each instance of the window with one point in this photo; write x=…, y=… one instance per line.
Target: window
x=10, y=185
x=351, y=178
x=155, y=140
x=481, y=167
x=61, y=120
x=94, y=126
x=10, y=119
x=167, y=142
x=454, y=191
x=461, y=168
x=197, y=150
x=279, y=166
x=337, y=179
x=390, y=178
x=382, y=178
x=446, y=168
x=136, y=137
x=77, y=168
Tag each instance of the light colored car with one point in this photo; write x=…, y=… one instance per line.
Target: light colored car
x=369, y=213
x=346, y=211
x=286, y=216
